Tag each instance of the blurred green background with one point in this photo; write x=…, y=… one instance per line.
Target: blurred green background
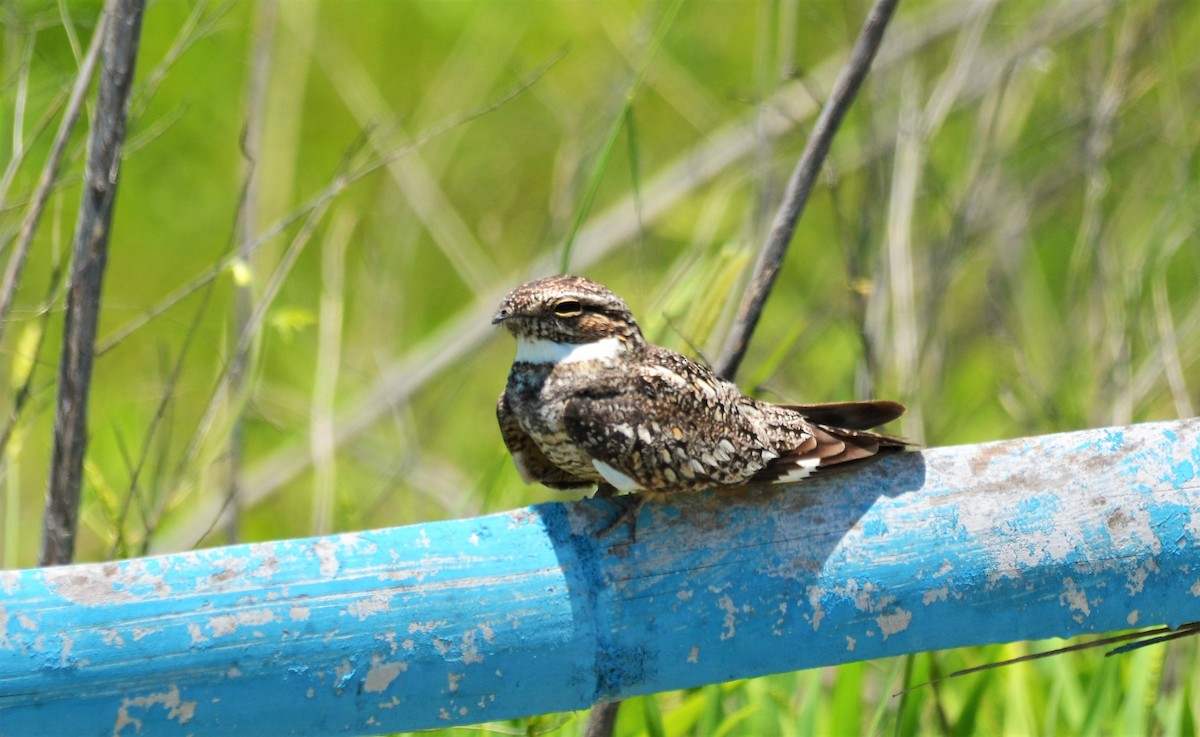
x=1004, y=239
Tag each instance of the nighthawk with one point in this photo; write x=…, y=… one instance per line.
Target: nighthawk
x=589, y=401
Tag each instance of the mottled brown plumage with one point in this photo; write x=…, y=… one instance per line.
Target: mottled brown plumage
x=589, y=401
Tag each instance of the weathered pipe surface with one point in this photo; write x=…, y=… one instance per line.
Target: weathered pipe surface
x=527, y=611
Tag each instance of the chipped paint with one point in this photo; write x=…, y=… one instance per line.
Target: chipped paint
x=1184, y=472
x=176, y=709
x=897, y=621
x=226, y=624
x=489, y=634
x=196, y=633
x=344, y=672
x=67, y=644
x=777, y=627
x=1136, y=579
x=1132, y=526
x=470, y=652
x=527, y=611
x=814, y=600
x=9, y=581
x=1075, y=599
x=112, y=637
x=379, y=602
x=106, y=583
x=1193, y=525
x=381, y=674
x=934, y=595
x=725, y=604
x=326, y=551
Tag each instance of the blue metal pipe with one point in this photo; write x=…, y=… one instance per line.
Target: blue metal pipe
x=528, y=611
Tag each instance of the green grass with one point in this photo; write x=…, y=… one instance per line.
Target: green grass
x=1005, y=239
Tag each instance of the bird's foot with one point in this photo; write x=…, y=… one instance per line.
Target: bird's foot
x=626, y=508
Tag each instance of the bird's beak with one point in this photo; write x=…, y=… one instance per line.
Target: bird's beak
x=501, y=315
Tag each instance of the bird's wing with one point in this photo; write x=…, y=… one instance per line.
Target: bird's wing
x=672, y=425
x=531, y=463
x=851, y=415
x=824, y=449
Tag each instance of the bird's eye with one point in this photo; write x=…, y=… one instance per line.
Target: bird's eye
x=568, y=308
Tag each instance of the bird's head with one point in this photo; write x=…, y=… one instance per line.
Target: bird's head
x=567, y=318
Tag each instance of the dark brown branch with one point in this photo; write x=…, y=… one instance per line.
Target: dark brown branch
x=1133, y=640
x=602, y=719
x=800, y=186
x=89, y=255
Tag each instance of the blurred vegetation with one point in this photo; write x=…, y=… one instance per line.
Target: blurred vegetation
x=1006, y=241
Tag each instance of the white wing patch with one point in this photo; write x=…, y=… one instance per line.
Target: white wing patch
x=532, y=350
x=801, y=469
x=614, y=477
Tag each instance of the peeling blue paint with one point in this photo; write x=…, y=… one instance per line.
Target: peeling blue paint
x=530, y=611
x=875, y=527
x=1184, y=472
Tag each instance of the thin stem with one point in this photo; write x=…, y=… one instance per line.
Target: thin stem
x=800, y=186
x=247, y=228
x=16, y=262
x=602, y=719
x=329, y=351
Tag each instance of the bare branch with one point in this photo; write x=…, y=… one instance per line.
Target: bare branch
x=603, y=719
x=90, y=253
x=800, y=185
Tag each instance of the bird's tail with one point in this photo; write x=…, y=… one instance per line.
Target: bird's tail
x=840, y=440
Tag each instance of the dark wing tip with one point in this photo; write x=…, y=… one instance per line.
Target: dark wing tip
x=851, y=415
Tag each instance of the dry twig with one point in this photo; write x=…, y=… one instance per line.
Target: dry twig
x=800, y=185
x=90, y=253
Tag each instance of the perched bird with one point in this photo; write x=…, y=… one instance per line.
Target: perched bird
x=589, y=401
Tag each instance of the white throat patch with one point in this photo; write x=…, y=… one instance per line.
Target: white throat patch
x=548, y=351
